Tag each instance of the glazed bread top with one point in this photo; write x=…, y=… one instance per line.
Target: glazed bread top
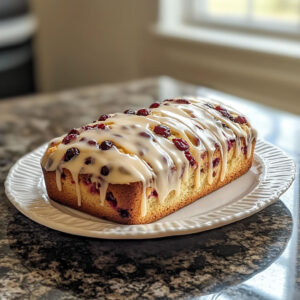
x=159, y=146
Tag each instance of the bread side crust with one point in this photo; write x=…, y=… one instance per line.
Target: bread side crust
x=128, y=196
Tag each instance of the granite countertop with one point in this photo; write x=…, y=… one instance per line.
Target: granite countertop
x=256, y=258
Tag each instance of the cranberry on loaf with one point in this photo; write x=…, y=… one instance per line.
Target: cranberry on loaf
x=139, y=166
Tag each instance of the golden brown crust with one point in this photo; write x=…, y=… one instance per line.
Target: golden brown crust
x=128, y=197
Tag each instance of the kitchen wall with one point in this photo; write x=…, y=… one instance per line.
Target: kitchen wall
x=82, y=42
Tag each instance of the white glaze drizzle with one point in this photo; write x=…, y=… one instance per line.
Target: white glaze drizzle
x=155, y=161
x=58, y=179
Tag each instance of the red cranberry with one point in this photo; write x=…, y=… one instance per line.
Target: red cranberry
x=103, y=117
x=144, y=112
x=154, y=105
x=182, y=101
x=101, y=126
x=86, y=179
x=229, y=144
x=86, y=127
x=104, y=171
x=123, y=213
x=216, y=162
x=83, y=139
x=71, y=152
x=240, y=120
x=190, y=158
x=196, y=141
x=162, y=130
x=224, y=112
x=88, y=161
x=106, y=145
x=94, y=189
x=69, y=138
x=145, y=134
x=92, y=142
x=214, y=174
x=74, y=131
x=129, y=112
x=111, y=199
x=244, y=150
x=181, y=144
x=154, y=193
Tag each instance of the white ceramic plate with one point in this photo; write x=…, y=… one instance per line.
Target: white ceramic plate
x=271, y=174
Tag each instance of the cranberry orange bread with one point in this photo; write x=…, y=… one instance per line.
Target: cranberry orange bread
x=139, y=166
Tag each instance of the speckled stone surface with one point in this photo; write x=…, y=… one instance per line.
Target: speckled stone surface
x=40, y=263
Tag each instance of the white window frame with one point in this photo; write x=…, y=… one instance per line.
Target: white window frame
x=175, y=21
x=195, y=14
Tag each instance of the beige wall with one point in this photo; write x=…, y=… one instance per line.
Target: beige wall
x=264, y=78
x=83, y=42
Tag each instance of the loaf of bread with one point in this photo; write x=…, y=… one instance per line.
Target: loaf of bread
x=136, y=167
